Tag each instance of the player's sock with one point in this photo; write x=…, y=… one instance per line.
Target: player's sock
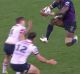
x=49, y=30
x=18, y=72
x=4, y=68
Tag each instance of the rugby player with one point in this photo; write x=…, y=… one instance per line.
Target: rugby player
x=23, y=49
x=17, y=33
x=64, y=18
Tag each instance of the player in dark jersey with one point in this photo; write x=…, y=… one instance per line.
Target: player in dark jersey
x=65, y=18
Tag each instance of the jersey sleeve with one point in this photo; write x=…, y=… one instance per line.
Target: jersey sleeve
x=54, y=4
x=67, y=3
x=23, y=30
x=35, y=50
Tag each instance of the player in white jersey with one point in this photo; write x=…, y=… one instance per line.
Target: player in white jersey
x=23, y=49
x=17, y=33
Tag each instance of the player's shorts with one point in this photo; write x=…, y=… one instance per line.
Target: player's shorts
x=9, y=48
x=20, y=67
x=70, y=26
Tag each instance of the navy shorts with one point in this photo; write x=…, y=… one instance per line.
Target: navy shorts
x=20, y=67
x=9, y=48
x=70, y=26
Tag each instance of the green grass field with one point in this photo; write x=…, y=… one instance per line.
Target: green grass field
x=68, y=57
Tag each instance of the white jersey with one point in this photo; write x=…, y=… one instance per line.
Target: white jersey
x=23, y=50
x=14, y=34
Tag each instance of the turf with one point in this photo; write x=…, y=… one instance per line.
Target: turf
x=68, y=57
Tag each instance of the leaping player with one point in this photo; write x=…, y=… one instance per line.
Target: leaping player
x=23, y=49
x=17, y=33
x=65, y=18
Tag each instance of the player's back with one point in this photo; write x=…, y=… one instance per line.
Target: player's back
x=22, y=51
x=15, y=31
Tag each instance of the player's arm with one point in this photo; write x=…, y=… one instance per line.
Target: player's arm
x=41, y=58
x=65, y=7
x=62, y=12
x=44, y=60
x=29, y=26
x=52, y=6
x=22, y=34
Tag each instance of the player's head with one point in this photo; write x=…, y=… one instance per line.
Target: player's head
x=31, y=35
x=21, y=20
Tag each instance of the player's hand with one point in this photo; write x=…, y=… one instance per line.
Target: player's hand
x=51, y=61
x=52, y=14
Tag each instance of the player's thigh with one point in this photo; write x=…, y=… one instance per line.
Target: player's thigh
x=57, y=22
x=33, y=70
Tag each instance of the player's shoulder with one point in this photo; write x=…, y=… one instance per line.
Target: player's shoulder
x=33, y=46
x=22, y=27
x=67, y=1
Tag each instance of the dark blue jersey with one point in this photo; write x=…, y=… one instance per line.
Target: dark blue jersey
x=70, y=14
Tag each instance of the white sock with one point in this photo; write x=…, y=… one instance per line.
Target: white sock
x=18, y=72
x=4, y=68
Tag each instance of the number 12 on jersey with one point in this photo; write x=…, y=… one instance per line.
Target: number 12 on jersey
x=21, y=48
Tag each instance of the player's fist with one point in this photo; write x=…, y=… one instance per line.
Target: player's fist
x=52, y=61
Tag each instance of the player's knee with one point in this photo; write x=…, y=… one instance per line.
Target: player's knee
x=68, y=41
x=6, y=60
x=37, y=71
x=33, y=70
x=52, y=22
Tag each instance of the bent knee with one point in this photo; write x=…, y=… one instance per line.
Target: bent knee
x=6, y=59
x=36, y=71
x=68, y=41
x=33, y=70
x=57, y=22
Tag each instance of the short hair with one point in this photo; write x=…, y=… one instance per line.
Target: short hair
x=31, y=35
x=19, y=19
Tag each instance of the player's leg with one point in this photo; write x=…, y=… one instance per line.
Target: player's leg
x=25, y=68
x=70, y=36
x=50, y=28
x=33, y=70
x=48, y=32
x=5, y=64
x=8, y=49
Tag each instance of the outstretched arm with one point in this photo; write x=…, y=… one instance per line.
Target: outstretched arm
x=44, y=60
x=41, y=58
